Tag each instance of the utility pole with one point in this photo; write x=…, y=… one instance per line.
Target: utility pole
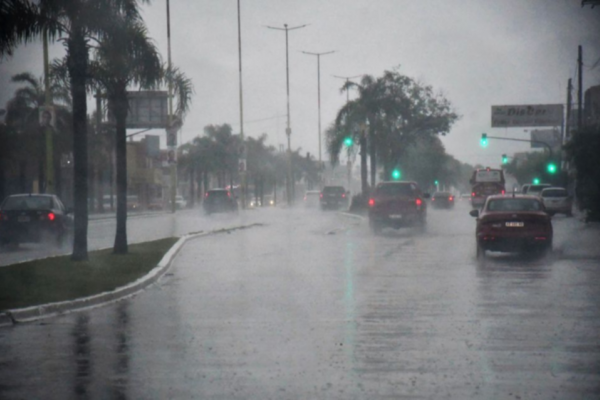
x=243, y=155
x=288, y=129
x=49, y=184
x=580, y=89
x=569, y=105
x=319, y=91
x=173, y=166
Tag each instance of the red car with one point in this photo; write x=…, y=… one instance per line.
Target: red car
x=513, y=223
x=397, y=204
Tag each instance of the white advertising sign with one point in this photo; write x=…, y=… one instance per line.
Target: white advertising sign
x=549, y=136
x=521, y=116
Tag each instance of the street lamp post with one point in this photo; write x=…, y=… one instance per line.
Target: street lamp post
x=288, y=129
x=243, y=155
x=319, y=91
x=347, y=78
x=173, y=166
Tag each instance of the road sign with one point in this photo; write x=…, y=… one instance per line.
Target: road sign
x=520, y=116
x=549, y=136
x=242, y=165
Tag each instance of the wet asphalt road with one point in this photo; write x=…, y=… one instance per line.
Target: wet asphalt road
x=313, y=306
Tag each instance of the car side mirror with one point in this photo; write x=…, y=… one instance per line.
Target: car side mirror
x=426, y=195
x=474, y=213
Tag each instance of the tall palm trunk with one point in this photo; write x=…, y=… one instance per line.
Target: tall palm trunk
x=364, y=184
x=78, y=65
x=120, y=108
x=373, y=159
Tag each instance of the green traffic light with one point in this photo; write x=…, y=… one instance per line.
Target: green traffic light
x=551, y=168
x=436, y=183
x=348, y=141
x=504, y=159
x=484, y=140
x=536, y=181
x=396, y=174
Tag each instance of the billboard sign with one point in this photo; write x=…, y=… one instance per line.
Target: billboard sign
x=147, y=110
x=549, y=136
x=522, y=116
x=47, y=117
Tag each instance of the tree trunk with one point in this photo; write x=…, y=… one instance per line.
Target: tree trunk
x=77, y=62
x=120, y=108
x=364, y=185
x=373, y=159
x=192, y=189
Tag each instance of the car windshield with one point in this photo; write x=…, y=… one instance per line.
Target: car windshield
x=27, y=203
x=333, y=190
x=516, y=204
x=554, y=193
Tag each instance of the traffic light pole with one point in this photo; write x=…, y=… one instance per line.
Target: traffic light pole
x=524, y=140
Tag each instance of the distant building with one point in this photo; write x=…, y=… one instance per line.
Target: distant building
x=591, y=111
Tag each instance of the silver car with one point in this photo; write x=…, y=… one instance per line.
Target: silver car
x=557, y=201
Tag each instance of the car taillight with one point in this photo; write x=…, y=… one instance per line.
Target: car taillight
x=371, y=202
x=450, y=198
x=343, y=195
x=228, y=194
x=503, y=192
x=51, y=216
x=206, y=194
x=418, y=202
x=321, y=195
x=473, y=194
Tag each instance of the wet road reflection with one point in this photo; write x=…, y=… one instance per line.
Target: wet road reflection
x=313, y=305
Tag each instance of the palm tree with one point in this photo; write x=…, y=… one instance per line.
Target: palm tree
x=124, y=56
x=22, y=114
x=75, y=21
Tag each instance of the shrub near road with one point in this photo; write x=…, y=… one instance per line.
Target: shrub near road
x=59, y=279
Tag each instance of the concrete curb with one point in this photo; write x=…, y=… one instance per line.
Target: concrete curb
x=34, y=313
x=350, y=215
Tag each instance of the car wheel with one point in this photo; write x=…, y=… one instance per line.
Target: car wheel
x=480, y=252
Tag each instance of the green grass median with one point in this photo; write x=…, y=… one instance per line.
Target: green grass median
x=58, y=278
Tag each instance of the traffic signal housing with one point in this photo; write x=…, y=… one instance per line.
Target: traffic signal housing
x=396, y=174
x=484, y=140
x=504, y=159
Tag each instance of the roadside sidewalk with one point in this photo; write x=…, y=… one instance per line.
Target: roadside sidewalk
x=582, y=240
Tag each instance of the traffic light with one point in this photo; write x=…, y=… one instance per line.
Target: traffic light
x=536, y=181
x=504, y=159
x=348, y=141
x=396, y=174
x=436, y=182
x=484, y=140
x=551, y=168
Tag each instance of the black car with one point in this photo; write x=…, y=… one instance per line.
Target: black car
x=219, y=200
x=34, y=218
x=397, y=204
x=442, y=200
x=333, y=197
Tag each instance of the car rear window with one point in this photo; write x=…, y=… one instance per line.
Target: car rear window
x=555, y=193
x=442, y=194
x=397, y=189
x=217, y=193
x=28, y=203
x=333, y=189
x=514, y=205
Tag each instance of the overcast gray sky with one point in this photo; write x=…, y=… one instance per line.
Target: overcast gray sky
x=478, y=53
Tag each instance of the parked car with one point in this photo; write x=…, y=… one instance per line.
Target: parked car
x=513, y=224
x=333, y=197
x=525, y=188
x=557, y=201
x=536, y=190
x=397, y=204
x=34, y=218
x=219, y=200
x=311, y=198
x=442, y=200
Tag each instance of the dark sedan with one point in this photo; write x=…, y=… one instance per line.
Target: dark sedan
x=34, y=218
x=513, y=224
x=442, y=200
x=219, y=200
